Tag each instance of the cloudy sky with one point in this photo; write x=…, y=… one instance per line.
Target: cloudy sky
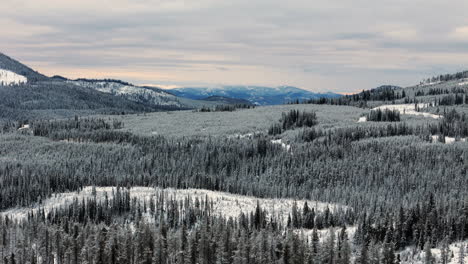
x=319, y=45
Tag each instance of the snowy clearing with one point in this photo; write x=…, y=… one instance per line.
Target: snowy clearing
x=24, y=127
x=224, y=204
x=241, y=136
x=408, y=109
x=285, y=146
x=9, y=78
x=362, y=119
x=323, y=234
x=115, y=88
x=404, y=109
x=448, y=140
x=415, y=256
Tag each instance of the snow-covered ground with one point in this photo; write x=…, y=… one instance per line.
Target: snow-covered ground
x=416, y=256
x=9, y=78
x=448, y=140
x=323, y=234
x=404, y=109
x=225, y=204
x=408, y=109
x=116, y=88
x=280, y=142
x=362, y=119
x=23, y=127
x=241, y=136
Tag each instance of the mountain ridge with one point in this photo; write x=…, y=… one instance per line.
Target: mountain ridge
x=259, y=95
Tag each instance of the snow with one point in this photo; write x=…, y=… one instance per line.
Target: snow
x=408, y=109
x=24, y=127
x=224, y=204
x=448, y=140
x=404, y=109
x=463, y=83
x=160, y=98
x=285, y=146
x=323, y=234
x=416, y=256
x=11, y=78
x=242, y=136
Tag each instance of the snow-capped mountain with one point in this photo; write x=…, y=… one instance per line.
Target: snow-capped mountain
x=150, y=95
x=255, y=94
x=8, y=78
x=19, y=70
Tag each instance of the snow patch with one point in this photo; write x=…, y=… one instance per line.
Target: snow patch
x=448, y=140
x=415, y=256
x=362, y=119
x=224, y=204
x=408, y=109
x=24, y=127
x=116, y=88
x=285, y=146
x=242, y=136
x=11, y=78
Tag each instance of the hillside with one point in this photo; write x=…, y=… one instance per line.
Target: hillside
x=9, y=64
x=378, y=175
x=255, y=94
x=27, y=94
x=148, y=95
x=227, y=100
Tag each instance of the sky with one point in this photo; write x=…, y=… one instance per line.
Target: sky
x=321, y=45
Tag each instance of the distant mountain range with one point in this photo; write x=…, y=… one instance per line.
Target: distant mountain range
x=27, y=94
x=258, y=95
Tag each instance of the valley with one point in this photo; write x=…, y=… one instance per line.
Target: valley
x=111, y=169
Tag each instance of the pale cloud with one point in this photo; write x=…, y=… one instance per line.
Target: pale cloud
x=319, y=45
x=461, y=33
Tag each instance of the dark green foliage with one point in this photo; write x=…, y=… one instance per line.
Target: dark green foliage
x=293, y=119
x=12, y=65
x=45, y=99
x=226, y=108
x=385, y=115
x=447, y=77
x=401, y=191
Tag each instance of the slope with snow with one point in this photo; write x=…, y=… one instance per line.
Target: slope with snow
x=405, y=109
x=258, y=95
x=447, y=140
x=412, y=255
x=11, y=78
x=224, y=204
x=134, y=93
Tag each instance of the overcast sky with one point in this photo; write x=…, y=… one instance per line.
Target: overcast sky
x=319, y=45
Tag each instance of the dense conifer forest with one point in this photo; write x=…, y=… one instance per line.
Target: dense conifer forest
x=383, y=173
x=402, y=190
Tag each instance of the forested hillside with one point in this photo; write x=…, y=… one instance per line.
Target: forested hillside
x=92, y=171
x=402, y=189
x=28, y=95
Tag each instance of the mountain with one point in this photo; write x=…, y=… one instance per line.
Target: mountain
x=227, y=100
x=145, y=94
x=19, y=70
x=255, y=94
x=148, y=95
x=27, y=94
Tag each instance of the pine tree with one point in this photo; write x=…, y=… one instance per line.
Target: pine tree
x=445, y=252
x=343, y=248
x=327, y=254
x=428, y=257
x=461, y=253
x=363, y=257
